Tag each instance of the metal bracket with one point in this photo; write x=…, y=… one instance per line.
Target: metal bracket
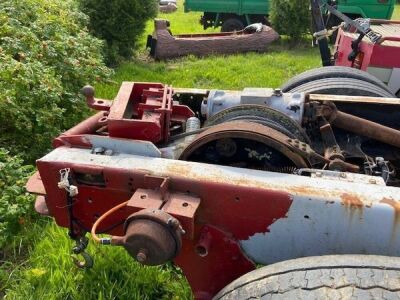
x=157, y=195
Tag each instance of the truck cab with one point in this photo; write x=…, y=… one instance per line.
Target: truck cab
x=373, y=9
x=234, y=15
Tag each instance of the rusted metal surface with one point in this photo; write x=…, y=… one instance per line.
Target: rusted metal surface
x=265, y=115
x=353, y=99
x=183, y=206
x=361, y=126
x=145, y=199
x=166, y=46
x=367, y=128
x=247, y=131
x=179, y=205
x=352, y=201
x=152, y=237
x=286, y=215
x=267, y=197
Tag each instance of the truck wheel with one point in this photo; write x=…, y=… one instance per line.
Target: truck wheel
x=321, y=277
x=232, y=24
x=342, y=86
x=332, y=72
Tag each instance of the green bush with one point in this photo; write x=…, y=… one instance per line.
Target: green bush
x=15, y=203
x=120, y=23
x=291, y=17
x=46, y=56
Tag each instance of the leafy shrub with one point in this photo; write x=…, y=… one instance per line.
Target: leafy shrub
x=120, y=23
x=46, y=56
x=15, y=204
x=291, y=17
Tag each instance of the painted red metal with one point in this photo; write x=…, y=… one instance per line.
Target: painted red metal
x=35, y=184
x=218, y=206
x=224, y=263
x=206, y=208
x=88, y=126
x=145, y=111
x=383, y=55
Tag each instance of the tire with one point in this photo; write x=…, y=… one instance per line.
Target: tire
x=332, y=72
x=342, y=86
x=232, y=24
x=321, y=277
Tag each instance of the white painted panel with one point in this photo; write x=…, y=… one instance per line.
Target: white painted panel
x=315, y=228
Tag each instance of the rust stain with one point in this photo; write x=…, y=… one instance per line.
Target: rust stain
x=396, y=208
x=349, y=200
x=352, y=201
x=396, y=211
x=183, y=170
x=353, y=205
x=393, y=203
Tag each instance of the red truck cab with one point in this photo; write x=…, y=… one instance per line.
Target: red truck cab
x=381, y=59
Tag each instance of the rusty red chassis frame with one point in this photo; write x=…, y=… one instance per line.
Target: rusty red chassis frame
x=229, y=218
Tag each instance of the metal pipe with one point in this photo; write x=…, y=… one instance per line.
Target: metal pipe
x=90, y=125
x=367, y=128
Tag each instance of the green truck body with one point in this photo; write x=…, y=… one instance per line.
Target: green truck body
x=233, y=14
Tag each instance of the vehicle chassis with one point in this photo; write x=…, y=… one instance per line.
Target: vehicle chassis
x=231, y=219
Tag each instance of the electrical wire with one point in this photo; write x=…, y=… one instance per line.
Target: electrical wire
x=105, y=241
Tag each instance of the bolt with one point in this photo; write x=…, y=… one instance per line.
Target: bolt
x=172, y=222
x=141, y=256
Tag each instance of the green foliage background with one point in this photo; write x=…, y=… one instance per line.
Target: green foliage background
x=120, y=23
x=291, y=17
x=46, y=55
x=15, y=203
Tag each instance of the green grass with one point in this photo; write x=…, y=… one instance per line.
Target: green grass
x=231, y=72
x=48, y=273
x=39, y=264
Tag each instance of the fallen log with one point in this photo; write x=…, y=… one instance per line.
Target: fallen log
x=164, y=45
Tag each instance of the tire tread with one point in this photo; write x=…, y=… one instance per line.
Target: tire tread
x=332, y=72
x=328, y=277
